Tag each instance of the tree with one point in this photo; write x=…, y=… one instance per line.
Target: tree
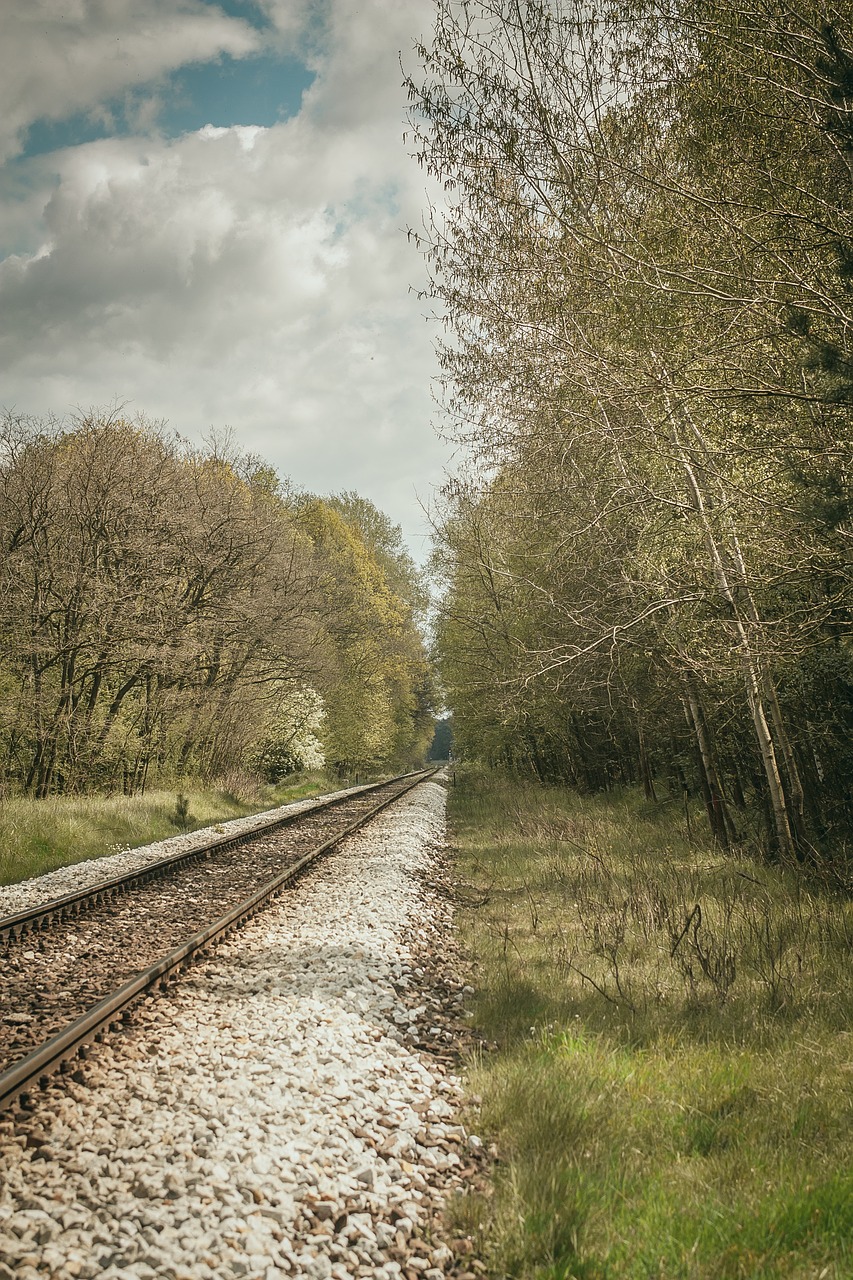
x=377, y=687
x=635, y=201
x=167, y=612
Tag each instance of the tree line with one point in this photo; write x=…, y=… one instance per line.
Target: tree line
x=171, y=611
x=643, y=260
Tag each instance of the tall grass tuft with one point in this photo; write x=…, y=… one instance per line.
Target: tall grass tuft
x=670, y=1093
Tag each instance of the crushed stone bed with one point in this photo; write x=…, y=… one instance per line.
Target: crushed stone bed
x=271, y=1114
x=48, y=981
x=91, y=871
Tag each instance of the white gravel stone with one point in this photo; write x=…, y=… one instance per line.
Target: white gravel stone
x=260, y=1120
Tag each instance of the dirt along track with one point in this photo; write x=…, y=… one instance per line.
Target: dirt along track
x=49, y=978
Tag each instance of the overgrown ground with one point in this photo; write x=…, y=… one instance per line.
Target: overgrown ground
x=40, y=835
x=671, y=1091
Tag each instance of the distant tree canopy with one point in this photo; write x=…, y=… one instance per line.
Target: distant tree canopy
x=645, y=264
x=442, y=741
x=169, y=610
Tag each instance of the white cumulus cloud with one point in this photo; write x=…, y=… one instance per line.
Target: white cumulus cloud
x=246, y=276
x=59, y=59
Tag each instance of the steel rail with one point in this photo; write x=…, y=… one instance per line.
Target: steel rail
x=34, y=919
x=38, y=1065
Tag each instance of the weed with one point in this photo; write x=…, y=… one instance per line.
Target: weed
x=670, y=1095
x=182, y=817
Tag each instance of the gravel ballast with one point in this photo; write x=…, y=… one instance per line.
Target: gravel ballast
x=270, y=1115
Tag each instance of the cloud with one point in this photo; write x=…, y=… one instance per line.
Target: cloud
x=244, y=276
x=56, y=61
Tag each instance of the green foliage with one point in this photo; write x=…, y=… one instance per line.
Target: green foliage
x=169, y=612
x=384, y=541
x=442, y=742
x=379, y=684
x=642, y=263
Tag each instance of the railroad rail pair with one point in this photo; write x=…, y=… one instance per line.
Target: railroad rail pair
x=56, y=1053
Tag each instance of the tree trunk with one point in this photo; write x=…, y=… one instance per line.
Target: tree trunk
x=750, y=663
x=715, y=802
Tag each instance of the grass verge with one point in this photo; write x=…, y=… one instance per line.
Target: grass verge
x=670, y=1083
x=40, y=835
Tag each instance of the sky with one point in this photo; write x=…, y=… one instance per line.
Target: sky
x=203, y=215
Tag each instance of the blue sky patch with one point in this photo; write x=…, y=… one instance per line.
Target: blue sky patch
x=260, y=90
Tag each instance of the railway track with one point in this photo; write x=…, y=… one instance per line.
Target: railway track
x=72, y=967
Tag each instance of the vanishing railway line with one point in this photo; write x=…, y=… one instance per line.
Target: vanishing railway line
x=71, y=967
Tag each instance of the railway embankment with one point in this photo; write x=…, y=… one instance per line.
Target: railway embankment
x=289, y=1107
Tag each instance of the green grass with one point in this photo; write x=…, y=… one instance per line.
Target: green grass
x=666, y=1102
x=40, y=835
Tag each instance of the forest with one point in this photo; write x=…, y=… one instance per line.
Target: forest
x=642, y=259
x=171, y=611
